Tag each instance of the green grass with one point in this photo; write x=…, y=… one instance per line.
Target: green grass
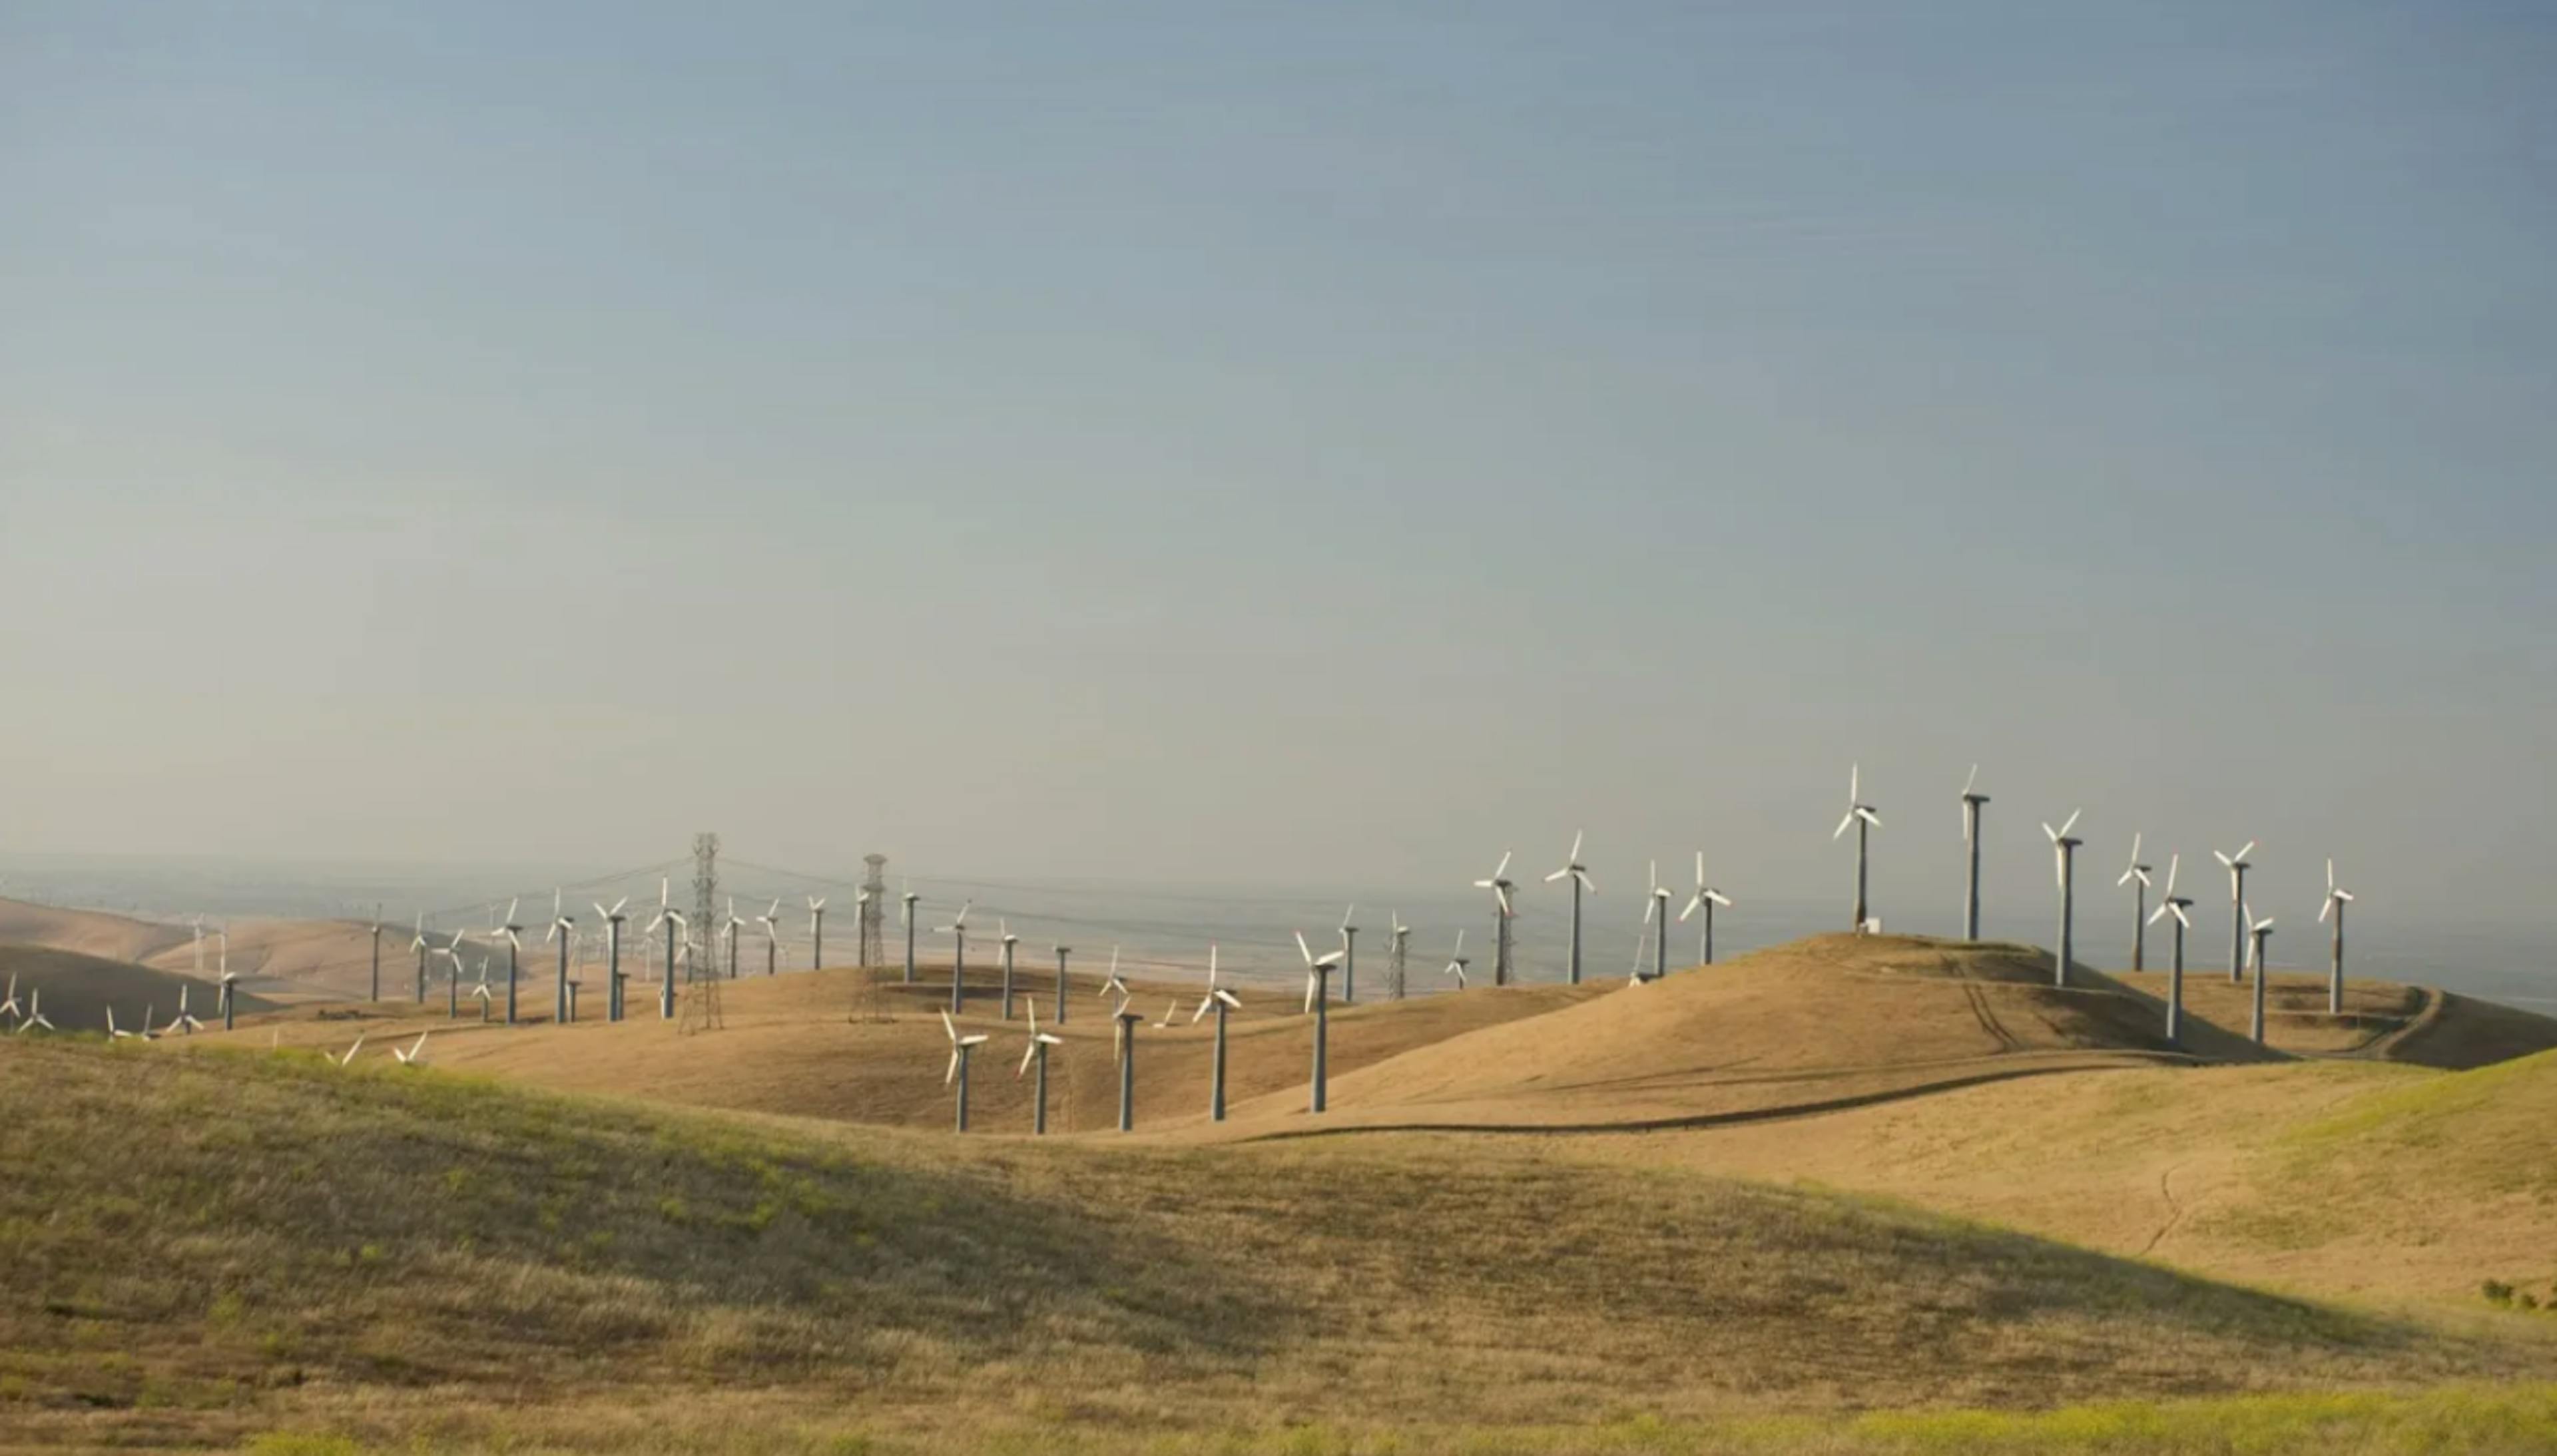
x=203, y=1249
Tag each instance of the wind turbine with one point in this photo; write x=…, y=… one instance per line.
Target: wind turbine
x=905, y=920
x=2139, y=907
x=228, y=979
x=2065, y=868
x=34, y=1012
x=452, y=984
x=377, y=953
x=1320, y=1003
x=1010, y=943
x=1172, y=1009
x=666, y=914
x=1349, y=957
x=729, y=928
x=480, y=992
x=1456, y=963
x=182, y=1021
x=1502, y=912
x=612, y=919
x=117, y=1034
x=1221, y=1001
x=1706, y=898
x=1037, y=1051
x=771, y=940
x=2336, y=901
x=564, y=931
x=1061, y=953
x=1401, y=941
x=957, y=930
x=10, y=1007
x=416, y=943
x=1579, y=873
x=1865, y=820
x=1128, y=1021
x=816, y=932
x=2256, y=961
x=2237, y=868
x=1113, y=984
x=2175, y=906
x=1971, y=802
x=960, y=1047
x=515, y=951
x=1655, y=914
x=348, y=1059
x=414, y=1056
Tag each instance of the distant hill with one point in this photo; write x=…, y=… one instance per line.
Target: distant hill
x=77, y=990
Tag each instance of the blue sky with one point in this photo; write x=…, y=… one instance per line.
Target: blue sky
x=1282, y=442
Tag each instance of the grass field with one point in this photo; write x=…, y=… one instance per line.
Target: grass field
x=382, y=1254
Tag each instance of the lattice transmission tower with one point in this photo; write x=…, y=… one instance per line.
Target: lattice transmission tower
x=701, y=1010
x=874, y=918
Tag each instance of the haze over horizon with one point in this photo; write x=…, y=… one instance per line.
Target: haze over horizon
x=1282, y=446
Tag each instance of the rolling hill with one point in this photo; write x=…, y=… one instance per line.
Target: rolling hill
x=395, y=1256
x=77, y=990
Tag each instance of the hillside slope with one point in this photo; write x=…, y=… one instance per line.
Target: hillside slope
x=77, y=990
x=389, y=1253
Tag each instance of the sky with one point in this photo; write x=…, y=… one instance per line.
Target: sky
x=1283, y=444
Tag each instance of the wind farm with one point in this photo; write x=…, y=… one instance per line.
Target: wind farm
x=1039, y=588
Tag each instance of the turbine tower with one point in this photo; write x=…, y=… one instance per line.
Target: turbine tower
x=1655, y=914
x=1864, y=819
x=1457, y=962
x=1011, y=943
x=2260, y=931
x=1402, y=941
x=957, y=930
x=2139, y=873
x=1037, y=1051
x=2336, y=901
x=816, y=931
x=1318, y=1000
x=1349, y=957
x=416, y=943
x=730, y=925
x=514, y=953
x=2065, y=853
x=1061, y=953
x=2175, y=906
x=2237, y=868
x=1128, y=1022
x=1579, y=873
x=771, y=924
x=906, y=919
x=377, y=952
x=960, y=1048
x=612, y=919
x=1971, y=802
x=1221, y=1001
x=1500, y=887
x=668, y=915
x=564, y=930
x=1706, y=898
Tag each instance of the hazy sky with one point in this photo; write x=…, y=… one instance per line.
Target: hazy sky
x=1278, y=442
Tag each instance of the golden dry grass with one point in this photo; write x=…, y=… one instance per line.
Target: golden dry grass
x=196, y=1248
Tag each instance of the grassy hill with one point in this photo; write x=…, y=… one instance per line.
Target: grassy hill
x=79, y=988
x=396, y=1254
x=2343, y=1177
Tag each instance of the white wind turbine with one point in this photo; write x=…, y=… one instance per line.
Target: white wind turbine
x=348, y=1059
x=1502, y=913
x=612, y=977
x=1172, y=1009
x=2173, y=905
x=184, y=1021
x=10, y=1007
x=2259, y=932
x=1222, y=1001
x=115, y=1032
x=1579, y=873
x=564, y=931
x=816, y=932
x=417, y=945
x=1113, y=985
x=1864, y=817
x=2065, y=852
x=1318, y=968
x=2237, y=868
x=1706, y=898
x=1655, y=917
x=1011, y=944
x=959, y=1049
x=35, y=1013
x=730, y=925
x=2336, y=901
x=905, y=922
x=771, y=939
x=509, y=931
x=1038, y=1051
x=667, y=915
x=414, y=1056
x=957, y=930
x=1971, y=802
x=1457, y=963
x=2139, y=875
